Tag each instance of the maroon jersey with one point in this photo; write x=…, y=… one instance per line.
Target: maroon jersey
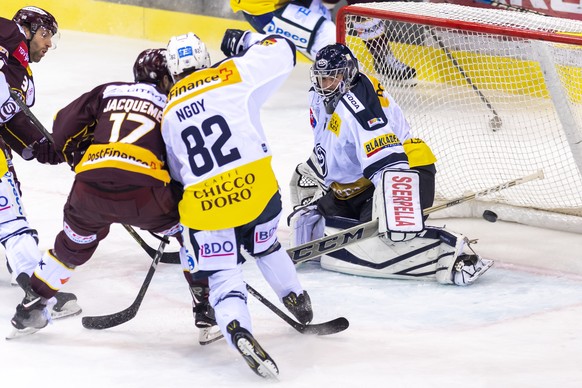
x=18, y=132
x=112, y=135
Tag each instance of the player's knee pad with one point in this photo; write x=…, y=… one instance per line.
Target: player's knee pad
x=52, y=272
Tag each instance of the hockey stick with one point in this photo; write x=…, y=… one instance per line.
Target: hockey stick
x=495, y=122
x=115, y=319
x=325, y=328
x=336, y=241
x=26, y=110
x=169, y=257
x=330, y=327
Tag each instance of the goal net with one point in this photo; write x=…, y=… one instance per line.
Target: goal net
x=498, y=97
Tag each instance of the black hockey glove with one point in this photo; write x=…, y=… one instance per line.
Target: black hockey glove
x=233, y=42
x=45, y=153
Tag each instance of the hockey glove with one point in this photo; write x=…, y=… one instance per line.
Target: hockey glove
x=44, y=152
x=233, y=42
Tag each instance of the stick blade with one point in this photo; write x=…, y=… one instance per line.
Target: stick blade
x=326, y=328
x=108, y=321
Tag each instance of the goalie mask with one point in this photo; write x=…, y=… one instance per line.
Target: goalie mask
x=334, y=71
x=186, y=54
x=150, y=66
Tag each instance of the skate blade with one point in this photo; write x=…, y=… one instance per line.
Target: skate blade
x=69, y=309
x=209, y=335
x=266, y=369
x=15, y=333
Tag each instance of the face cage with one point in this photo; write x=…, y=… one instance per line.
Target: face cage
x=317, y=77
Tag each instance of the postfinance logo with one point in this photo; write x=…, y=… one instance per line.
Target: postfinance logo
x=202, y=81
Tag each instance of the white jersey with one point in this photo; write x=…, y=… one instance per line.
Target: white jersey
x=364, y=134
x=216, y=145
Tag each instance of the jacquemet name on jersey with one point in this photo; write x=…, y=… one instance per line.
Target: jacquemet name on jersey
x=130, y=105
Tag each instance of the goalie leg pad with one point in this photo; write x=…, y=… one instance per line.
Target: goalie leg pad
x=397, y=204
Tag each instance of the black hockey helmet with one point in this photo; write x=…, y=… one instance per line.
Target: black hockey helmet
x=34, y=17
x=150, y=66
x=334, y=61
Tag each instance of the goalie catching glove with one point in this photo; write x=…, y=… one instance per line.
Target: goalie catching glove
x=397, y=204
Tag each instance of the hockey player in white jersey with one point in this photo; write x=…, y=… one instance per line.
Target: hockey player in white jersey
x=369, y=166
x=217, y=149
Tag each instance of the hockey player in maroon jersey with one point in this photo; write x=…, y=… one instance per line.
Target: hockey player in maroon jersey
x=23, y=40
x=111, y=137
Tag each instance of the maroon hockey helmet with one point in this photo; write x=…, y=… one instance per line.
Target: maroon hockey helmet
x=34, y=17
x=150, y=66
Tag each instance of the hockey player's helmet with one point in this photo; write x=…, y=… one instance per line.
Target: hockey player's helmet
x=186, y=53
x=150, y=66
x=334, y=70
x=34, y=18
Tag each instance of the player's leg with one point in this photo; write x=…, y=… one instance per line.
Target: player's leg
x=216, y=255
x=260, y=241
x=309, y=28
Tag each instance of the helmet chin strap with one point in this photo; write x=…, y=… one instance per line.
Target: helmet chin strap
x=332, y=101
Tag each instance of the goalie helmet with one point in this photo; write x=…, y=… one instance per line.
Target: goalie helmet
x=334, y=70
x=150, y=66
x=186, y=53
x=34, y=18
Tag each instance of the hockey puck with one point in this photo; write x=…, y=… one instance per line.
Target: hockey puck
x=490, y=216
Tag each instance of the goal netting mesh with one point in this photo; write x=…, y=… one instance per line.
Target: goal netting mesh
x=498, y=96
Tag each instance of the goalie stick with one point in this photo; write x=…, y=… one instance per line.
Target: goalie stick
x=326, y=328
x=334, y=242
x=118, y=318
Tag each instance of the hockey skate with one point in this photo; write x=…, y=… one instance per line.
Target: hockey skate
x=204, y=316
x=469, y=268
x=204, y=320
x=65, y=305
x=31, y=316
x=387, y=65
x=299, y=306
x=257, y=359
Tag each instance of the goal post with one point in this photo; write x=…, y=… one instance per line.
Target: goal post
x=498, y=96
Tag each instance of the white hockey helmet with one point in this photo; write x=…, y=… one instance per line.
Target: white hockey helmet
x=186, y=52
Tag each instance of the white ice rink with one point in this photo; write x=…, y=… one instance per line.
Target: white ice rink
x=519, y=326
